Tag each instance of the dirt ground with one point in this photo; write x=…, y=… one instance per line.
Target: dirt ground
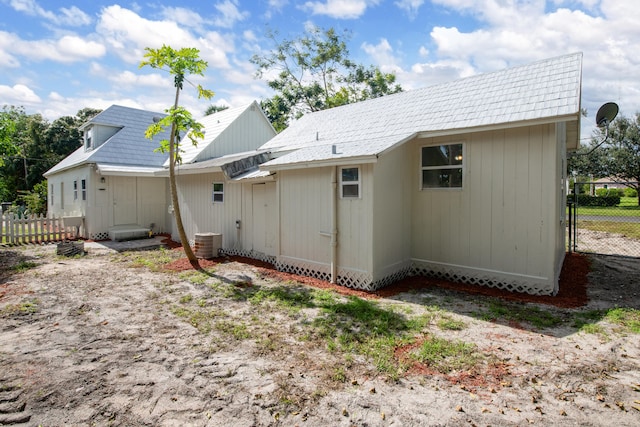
x=99, y=340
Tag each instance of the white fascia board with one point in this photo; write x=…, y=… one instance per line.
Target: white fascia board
x=121, y=170
x=181, y=170
x=344, y=161
x=498, y=126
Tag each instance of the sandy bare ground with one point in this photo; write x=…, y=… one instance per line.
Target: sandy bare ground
x=97, y=340
x=602, y=242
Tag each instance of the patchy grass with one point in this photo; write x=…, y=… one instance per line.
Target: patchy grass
x=623, y=320
x=24, y=265
x=510, y=312
x=346, y=326
x=446, y=323
x=626, y=319
x=446, y=356
x=627, y=229
x=153, y=260
x=194, y=276
x=23, y=308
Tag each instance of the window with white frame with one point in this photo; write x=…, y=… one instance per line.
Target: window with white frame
x=350, y=182
x=442, y=166
x=84, y=189
x=51, y=194
x=75, y=190
x=88, y=139
x=217, y=194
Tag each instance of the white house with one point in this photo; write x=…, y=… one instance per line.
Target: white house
x=118, y=184
x=463, y=180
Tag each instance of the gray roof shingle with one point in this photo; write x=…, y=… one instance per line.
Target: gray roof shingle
x=544, y=90
x=128, y=146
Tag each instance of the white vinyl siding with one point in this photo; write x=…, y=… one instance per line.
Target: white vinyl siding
x=204, y=216
x=504, y=220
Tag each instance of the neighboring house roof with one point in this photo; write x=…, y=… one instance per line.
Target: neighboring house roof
x=128, y=146
x=215, y=125
x=545, y=91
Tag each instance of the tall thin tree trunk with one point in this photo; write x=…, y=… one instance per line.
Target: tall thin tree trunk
x=193, y=260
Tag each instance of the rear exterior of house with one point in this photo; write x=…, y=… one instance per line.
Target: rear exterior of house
x=469, y=191
x=104, y=200
x=118, y=184
x=110, y=180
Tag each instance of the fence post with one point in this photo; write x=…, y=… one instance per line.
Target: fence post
x=570, y=205
x=12, y=231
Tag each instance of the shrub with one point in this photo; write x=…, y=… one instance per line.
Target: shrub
x=630, y=192
x=587, y=200
x=602, y=192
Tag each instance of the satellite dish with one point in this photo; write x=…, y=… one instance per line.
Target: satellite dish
x=606, y=114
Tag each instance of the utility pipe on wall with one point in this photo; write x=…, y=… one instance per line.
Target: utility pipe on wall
x=334, y=225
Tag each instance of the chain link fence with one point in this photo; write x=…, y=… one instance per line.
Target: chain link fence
x=604, y=218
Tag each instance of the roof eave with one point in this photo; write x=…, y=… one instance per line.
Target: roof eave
x=342, y=161
x=497, y=126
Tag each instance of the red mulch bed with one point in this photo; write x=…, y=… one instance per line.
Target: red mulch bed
x=572, y=293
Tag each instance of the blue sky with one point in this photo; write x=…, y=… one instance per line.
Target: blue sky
x=57, y=57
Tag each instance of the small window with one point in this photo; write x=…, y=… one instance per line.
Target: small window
x=350, y=182
x=84, y=189
x=62, y=195
x=51, y=194
x=442, y=166
x=75, y=190
x=88, y=139
x=217, y=195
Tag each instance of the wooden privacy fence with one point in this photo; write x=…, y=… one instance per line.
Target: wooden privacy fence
x=21, y=229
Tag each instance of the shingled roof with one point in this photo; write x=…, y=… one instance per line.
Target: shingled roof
x=127, y=147
x=544, y=91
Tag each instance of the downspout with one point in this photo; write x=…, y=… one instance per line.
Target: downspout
x=334, y=225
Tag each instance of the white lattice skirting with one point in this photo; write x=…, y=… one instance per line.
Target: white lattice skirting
x=495, y=279
x=249, y=254
x=358, y=279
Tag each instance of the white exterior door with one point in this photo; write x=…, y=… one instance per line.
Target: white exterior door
x=263, y=220
x=124, y=200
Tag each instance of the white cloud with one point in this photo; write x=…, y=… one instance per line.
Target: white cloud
x=7, y=41
x=73, y=48
x=183, y=16
x=339, y=9
x=67, y=49
x=18, y=95
x=382, y=54
x=130, y=79
x=410, y=6
x=128, y=34
x=230, y=14
x=72, y=16
x=275, y=6
x=519, y=31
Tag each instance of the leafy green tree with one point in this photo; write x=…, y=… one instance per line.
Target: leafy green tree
x=212, y=109
x=7, y=131
x=314, y=73
x=618, y=158
x=32, y=145
x=180, y=64
x=24, y=132
x=36, y=200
